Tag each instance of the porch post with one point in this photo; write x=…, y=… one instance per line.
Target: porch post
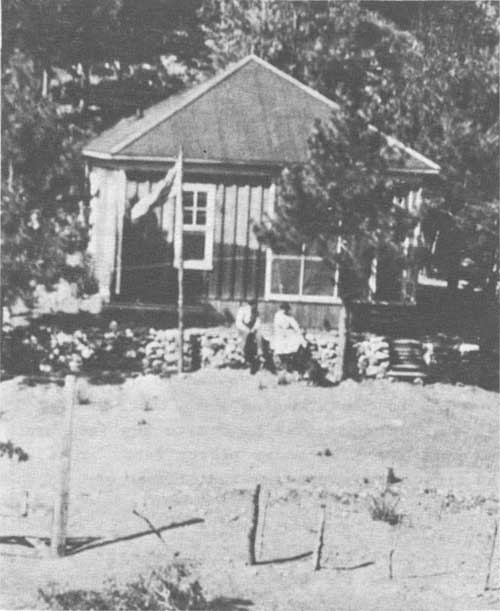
x=120, y=214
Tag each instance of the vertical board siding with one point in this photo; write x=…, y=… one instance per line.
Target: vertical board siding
x=120, y=205
x=168, y=219
x=246, y=193
x=142, y=189
x=260, y=274
x=131, y=192
x=215, y=277
x=113, y=192
x=253, y=244
x=230, y=240
x=240, y=262
x=238, y=259
x=240, y=237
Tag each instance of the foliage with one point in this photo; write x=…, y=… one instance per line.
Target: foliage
x=114, y=54
x=7, y=447
x=452, y=116
x=67, y=32
x=435, y=86
x=341, y=197
x=341, y=49
x=425, y=72
x=42, y=185
x=383, y=508
x=167, y=589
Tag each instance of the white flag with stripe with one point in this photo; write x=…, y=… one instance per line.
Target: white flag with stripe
x=161, y=192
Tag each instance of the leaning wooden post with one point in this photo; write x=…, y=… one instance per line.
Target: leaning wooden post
x=252, y=533
x=321, y=538
x=60, y=518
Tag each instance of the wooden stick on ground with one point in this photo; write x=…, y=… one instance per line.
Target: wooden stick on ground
x=321, y=536
x=490, y=559
x=252, y=533
x=151, y=526
x=268, y=496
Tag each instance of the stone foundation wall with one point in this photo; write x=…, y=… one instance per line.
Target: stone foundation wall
x=48, y=350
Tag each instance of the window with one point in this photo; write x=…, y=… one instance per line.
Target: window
x=300, y=278
x=198, y=212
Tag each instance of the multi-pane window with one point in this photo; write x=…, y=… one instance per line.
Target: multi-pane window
x=300, y=278
x=198, y=211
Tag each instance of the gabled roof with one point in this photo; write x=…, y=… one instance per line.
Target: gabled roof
x=251, y=113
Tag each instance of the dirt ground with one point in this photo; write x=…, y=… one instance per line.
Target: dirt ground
x=195, y=447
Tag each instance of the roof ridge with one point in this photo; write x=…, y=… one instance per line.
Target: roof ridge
x=291, y=79
x=190, y=95
x=196, y=92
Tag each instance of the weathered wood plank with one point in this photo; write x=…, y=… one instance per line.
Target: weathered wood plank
x=240, y=237
x=260, y=265
x=253, y=244
x=218, y=271
x=247, y=263
x=230, y=237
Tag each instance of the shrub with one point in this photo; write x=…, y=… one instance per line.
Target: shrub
x=168, y=589
x=7, y=447
x=382, y=508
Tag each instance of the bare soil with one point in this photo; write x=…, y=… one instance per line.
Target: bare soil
x=196, y=446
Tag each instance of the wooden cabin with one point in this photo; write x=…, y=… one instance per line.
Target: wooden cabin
x=237, y=131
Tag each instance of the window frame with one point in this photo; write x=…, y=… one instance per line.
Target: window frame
x=205, y=264
x=300, y=297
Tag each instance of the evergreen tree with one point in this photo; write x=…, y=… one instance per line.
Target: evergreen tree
x=43, y=184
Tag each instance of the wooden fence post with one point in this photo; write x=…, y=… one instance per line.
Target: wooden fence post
x=266, y=504
x=321, y=538
x=491, y=556
x=60, y=518
x=252, y=533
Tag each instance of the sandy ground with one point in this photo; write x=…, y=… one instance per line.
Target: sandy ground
x=195, y=447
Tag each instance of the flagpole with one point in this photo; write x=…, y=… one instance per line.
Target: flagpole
x=180, y=271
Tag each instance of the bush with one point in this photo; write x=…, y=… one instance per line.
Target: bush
x=7, y=447
x=168, y=589
x=382, y=508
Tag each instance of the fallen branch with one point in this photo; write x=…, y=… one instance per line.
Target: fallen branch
x=151, y=525
x=437, y=574
x=130, y=537
x=356, y=566
x=490, y=559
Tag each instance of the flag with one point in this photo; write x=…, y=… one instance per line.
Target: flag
x=165, y=189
